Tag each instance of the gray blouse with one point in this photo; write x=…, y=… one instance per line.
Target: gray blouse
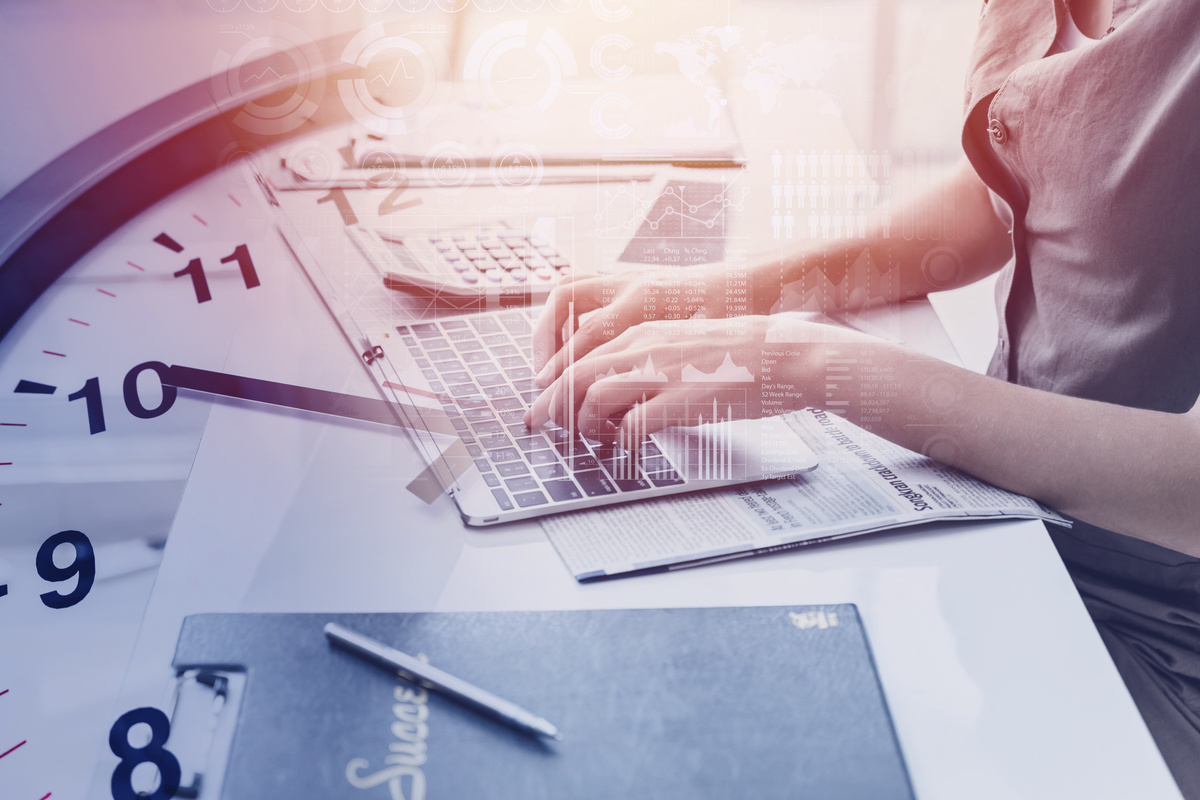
x=1096, y=151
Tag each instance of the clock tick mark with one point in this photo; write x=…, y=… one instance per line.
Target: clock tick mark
x=80, y=322
x=12, y=425
x=198, y=219
x=43, y=797
x=235, y=201
x=135, y=266
x=32, y=387
x=169, y=243
x=52, y=353
x=14, y=747
x=6, y=690
x=102, y=291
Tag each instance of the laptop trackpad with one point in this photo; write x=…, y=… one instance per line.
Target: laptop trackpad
x=741, y=450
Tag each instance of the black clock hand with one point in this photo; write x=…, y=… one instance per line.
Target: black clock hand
x=302, y=398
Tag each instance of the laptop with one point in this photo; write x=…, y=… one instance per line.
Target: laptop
x=468, y=379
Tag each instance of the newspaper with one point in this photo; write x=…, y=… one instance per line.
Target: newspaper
x=864, y=483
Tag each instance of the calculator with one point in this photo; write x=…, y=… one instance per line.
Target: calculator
x=467, y=262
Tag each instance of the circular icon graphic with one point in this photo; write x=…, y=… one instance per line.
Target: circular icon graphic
x=338, y=6
x=611, y=125
x=517, y=167
x=284, y=58
x=413, y=6
x=618, y=12
x=944, y=448
x=312, y=161
x=453, y=6
x=398, y=91
x=528, y=6
x=519, y=76
x=609, y=42
x=490, y=6
x=382, y=161
x=942, y=266
x=224, y=6
x=300, y=6
x=451, y=165
x=261, y=6
x=375, y=6
x=240, y=165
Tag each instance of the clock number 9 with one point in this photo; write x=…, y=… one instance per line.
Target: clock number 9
x=153, y=752
x=195, y=270
x=95, y=407
x=84, y=565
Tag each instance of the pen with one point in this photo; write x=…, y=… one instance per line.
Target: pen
x=392, y=658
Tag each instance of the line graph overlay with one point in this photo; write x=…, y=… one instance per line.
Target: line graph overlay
x=686, y=224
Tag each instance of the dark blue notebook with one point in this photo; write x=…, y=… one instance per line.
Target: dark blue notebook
x=760, y=702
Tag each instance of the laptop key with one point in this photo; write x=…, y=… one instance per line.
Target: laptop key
x=472, y=402
x=670, y=478
x=508, y=404
x=498, y=391
x=490, y=380
x=494, y=441
x=456, y=377
x=502, y=499
x=522, y=484
x=490, y=479
x=476, y=357
x=579, y=463
x=595, y=483
x=537, y=457
x=518, y=430
x=532, y=443
x=474, y=451
x=478, y=414
x=530, y=499
x=578, y=449
x=509, y=362
x=503, y=454
x=483, y=368
x=482, y=464
x=511, y=468
x=550, y=471
x=562, y=490
x=488, y=427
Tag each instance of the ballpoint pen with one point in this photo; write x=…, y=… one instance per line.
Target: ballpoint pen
x=441, y=681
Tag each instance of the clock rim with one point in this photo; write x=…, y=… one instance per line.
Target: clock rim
x=55, y=216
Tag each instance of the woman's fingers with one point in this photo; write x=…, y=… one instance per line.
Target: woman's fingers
x=603, y=323
x=573, y=297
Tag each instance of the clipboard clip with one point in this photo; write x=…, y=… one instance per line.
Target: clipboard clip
x=203, y=718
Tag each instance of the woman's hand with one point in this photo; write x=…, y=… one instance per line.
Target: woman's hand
x=604, y=307
x=664, y=373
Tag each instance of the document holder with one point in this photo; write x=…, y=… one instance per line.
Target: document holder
x=762, y=702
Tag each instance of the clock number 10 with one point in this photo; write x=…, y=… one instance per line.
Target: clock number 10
x=195, y=270
x=90, y=393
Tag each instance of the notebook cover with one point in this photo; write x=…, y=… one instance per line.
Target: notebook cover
x=757, y=702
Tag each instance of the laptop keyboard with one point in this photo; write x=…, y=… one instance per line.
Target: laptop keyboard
x=481, y=368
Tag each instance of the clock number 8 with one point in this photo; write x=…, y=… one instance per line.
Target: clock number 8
x=153, y=753
x=84, y=565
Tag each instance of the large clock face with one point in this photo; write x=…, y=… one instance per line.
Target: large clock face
x=114, y=268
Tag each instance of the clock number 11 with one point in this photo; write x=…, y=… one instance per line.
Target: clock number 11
x=195, y=270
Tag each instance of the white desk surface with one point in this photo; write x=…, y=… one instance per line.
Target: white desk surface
x=998, y=683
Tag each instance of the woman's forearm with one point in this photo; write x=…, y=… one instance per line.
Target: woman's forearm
x=914, y=257
x=1129, y=470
